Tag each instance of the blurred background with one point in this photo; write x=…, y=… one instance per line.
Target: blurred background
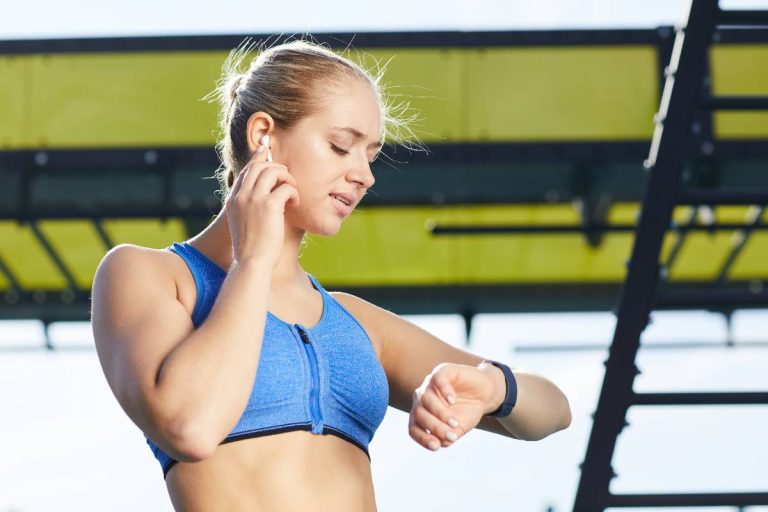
x=537, y=117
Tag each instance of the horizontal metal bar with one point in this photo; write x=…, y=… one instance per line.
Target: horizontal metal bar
x=720, y=398
x=742, y=17
x=698, y=196
x=340, y=40
x=575, y=228
x=680, y=345
x=123, y=212
x=723, y=499
x=735, y=103
x=693, y=298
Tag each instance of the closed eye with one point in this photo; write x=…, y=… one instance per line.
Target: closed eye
x=339, y=150
x=345, y=152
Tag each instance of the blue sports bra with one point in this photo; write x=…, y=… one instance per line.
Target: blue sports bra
x=325, y=379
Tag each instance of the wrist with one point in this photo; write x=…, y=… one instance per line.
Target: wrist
x=499, y=385
x=252, y=264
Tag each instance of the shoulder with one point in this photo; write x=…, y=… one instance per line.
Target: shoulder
x=361, y=308
x=128, y=263
x=134, y=259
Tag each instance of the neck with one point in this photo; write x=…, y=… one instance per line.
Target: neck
x=215, y=241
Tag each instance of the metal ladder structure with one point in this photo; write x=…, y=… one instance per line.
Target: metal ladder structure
x=683, y=96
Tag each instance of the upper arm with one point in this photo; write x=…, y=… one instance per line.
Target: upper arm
x=409, y=353
x=137, y=321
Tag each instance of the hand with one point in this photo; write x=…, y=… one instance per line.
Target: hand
x=431, y=413
x=256, y=206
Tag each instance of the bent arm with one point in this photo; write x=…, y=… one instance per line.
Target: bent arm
x=184, y=388
x=410, y=353
x=541, y=408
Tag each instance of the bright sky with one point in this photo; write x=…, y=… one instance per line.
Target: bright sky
x=67, y=446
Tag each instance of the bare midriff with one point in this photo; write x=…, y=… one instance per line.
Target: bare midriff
x=286, y=472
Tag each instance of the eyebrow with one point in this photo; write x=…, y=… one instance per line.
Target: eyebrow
x=358, y=135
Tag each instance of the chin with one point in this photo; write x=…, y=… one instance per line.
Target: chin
x=321, y=226
x=326, y=229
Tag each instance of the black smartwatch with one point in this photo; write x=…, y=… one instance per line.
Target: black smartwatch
x=511, y=397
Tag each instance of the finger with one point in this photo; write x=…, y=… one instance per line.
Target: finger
x=254, y=166
x=236, y=184
x=436, y=406
x=284, y=194
x=443, y=385
x=438, y=428
x=422, y=436
x=270, y=178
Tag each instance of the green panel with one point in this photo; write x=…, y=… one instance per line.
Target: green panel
x=4, y=283
x=26, y=258
x=562, y=93
x=740, y=69
x=702, y=255
x=13, y=128
x=515, y=257
x=752, y=262
x=388, y=246
x=432, y=82
x=152, y=233
x=384, y=246
x=78, y=245
x=123, y=99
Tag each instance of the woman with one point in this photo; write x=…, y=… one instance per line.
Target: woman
x=181, y=332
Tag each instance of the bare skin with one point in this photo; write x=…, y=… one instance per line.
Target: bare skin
x=168, y=376
x=287, y=471
x=255, y=240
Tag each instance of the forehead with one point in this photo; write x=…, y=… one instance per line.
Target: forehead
x=354, y=105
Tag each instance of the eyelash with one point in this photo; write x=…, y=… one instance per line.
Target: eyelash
x=339, y=150
x=344, y=152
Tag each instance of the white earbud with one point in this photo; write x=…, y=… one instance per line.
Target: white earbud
x=265, y=143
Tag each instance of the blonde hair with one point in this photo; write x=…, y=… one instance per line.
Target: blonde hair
x=283, y=82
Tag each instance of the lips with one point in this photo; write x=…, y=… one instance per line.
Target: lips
x=347, y=198
x=341, y=207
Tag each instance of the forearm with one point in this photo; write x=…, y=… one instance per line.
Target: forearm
x=204, y=384
x=541, y=408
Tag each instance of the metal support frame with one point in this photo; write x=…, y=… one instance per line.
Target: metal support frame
x=670, y=149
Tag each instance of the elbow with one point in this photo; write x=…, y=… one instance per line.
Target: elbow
x=562, y=415
x=187, y=441
x=560, y=419
x=566, y=417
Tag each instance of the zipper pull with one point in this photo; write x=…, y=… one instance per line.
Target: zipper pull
x=303, y=335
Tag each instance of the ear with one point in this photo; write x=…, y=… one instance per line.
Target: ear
x=259, y=124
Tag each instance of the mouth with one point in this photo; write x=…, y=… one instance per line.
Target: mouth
x=341, y=204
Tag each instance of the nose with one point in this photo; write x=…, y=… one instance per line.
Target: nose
x=363, y=175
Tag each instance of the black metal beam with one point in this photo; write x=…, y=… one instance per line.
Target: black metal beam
x=10, y=277
x=713, y=298
x=723, y=196
x=599, y=347
x=338, y=40
x=53, y=255
x=735, y=103
x=724, y=499
x=738, y=247
x=570, y=228
x=670, y=149
x=729, y=398
x=103, y=235
x=681, y=237
x=742, y=17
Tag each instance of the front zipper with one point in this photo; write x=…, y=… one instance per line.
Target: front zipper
x=314, y=390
